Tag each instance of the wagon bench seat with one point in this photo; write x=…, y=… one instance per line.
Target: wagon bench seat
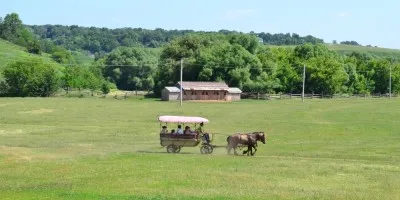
x=176, y=136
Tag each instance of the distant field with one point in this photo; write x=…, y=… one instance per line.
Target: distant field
x=346, y=49
x=95, y=148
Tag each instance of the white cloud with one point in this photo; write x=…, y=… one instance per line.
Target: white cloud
x=115, y=20
x=344, y=14
x=238, y=14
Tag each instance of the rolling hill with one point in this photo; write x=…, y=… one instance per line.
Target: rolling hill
x=10, y=52
x=378, y=51
x=347, y=49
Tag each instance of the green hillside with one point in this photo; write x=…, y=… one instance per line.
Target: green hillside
x=347, y=49
x=82, y=58
x=378, y=51
x=10, y=52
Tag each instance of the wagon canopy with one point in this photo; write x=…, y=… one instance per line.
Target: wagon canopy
x=182, y=119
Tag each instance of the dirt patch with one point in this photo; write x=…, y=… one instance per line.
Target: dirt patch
x=7, y=104
x=15, y=154
x=13, y=132
x=36, y=112
x=323, y=122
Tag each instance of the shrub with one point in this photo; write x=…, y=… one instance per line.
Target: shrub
x=32, y=77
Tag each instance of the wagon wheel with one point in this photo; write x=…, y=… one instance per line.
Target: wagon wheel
x=203, y=149
x=206, y=149
x=177, y=149
x=210, y=149
x=173, y=149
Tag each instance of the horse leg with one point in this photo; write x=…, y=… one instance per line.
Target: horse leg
x=249, y=150
x=234, y=150
x=255, y=150
x=229, y=148
x=246, y=151
x=229, y=145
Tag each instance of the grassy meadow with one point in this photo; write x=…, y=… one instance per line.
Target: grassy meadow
x=10, y=52
x=96, y=148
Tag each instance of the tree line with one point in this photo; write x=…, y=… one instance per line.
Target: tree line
x=241, y=60
x=104, y=40
x=13, y=30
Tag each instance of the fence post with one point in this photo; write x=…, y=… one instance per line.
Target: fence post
x=322, y=95
x=312, y=95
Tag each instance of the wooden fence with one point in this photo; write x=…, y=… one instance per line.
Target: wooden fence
x=117, y=94
x=263, y=96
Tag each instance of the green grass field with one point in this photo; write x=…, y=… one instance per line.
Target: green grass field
x=95, y=148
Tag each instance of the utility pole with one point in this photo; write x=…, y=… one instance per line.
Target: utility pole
x=304, y=80
x=390, y=81
x=181, y=79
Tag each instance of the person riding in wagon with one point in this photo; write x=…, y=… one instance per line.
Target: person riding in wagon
x=164, y=130
x=200, y=131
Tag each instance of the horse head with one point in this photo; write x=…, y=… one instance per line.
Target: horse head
x=260, y=136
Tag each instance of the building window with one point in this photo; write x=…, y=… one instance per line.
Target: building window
x=206, y=93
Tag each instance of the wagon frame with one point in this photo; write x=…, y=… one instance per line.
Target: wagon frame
x=174, y=142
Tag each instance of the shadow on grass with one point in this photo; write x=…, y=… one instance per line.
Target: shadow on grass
x=163, y=152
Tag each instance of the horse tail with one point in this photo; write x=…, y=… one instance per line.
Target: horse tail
x=228, y=138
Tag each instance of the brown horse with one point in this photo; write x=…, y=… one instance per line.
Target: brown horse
x=247, y=139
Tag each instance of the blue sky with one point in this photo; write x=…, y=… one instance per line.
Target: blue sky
x=367, y=22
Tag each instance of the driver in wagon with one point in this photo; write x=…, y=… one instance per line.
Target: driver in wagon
x=200, y=131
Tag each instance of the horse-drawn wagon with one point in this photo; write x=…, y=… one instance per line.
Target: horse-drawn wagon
x=176, y=139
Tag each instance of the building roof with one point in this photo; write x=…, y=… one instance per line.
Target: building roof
x=188, y=85
x=172, y=89
x=234, y=90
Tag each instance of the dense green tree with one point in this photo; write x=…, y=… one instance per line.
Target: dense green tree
x=105, y=88
x=31, y=77
x=125, y=57
x=82, y=77
x=62, y=56
x=11, y=27
x=249, y=42
x=125, y=63
x=324, y=68
x=34, y=47
x=104, y=39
